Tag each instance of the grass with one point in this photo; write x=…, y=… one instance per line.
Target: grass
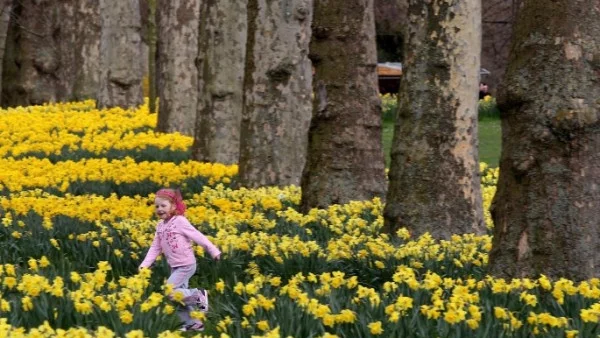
x=489, y=140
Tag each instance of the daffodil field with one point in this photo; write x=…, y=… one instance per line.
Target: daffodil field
x=76, y=190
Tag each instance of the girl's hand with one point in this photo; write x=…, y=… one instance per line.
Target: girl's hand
x=217, y=257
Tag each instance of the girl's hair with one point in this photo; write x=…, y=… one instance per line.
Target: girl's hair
x=174, y=196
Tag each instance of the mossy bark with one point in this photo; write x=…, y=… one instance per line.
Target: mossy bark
x=277, y=87
x=177, y=74
x=546, y=210
x=434, y=174
x=345, y=156
x=220, y=81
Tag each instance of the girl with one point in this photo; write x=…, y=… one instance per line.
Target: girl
x=172, y=238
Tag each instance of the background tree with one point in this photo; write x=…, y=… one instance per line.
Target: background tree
x=390, y=21
x=152, y=37
x=345, y=156
x=5, y=11
x=120, y=54
x=434, y=174
x=277, y=85
x=52, y=51
x=79, y=29
x=177, y=78
x=546, y=210
x=222, y=51
x=32, y=59
x=497, y=22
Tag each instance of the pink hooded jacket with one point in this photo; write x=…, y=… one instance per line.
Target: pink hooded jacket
x=173, y=239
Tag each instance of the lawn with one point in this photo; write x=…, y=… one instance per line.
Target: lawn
x=489, y=140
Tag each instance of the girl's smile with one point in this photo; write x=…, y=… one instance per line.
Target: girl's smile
x=164, y=208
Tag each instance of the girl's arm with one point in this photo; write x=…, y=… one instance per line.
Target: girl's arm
x=153, y=252
x=192, y=233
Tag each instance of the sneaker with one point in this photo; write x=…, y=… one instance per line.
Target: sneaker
x=199, y=326
x=202, y=300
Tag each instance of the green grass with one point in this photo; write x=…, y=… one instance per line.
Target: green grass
x=489, y=141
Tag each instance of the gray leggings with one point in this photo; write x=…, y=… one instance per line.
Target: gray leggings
x=180, y=278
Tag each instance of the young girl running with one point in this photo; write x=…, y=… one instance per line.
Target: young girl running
x=173, y=237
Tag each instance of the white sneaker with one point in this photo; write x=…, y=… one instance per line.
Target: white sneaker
x=202, y=300
x=199, y=326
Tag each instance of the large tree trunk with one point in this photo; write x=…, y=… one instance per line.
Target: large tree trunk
x=277, y=85
x=52, y=52
x=120, y=54
x=546, y=211
x=79, y=50
x=221, y=81
x=177, y=76
x=5, y=12
x=434, y=174
x=32, y=59
x=152, y=38
x=345, y=155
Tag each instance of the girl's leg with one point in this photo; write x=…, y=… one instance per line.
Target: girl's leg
x=180, y=277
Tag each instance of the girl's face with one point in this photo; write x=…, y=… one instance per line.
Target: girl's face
x=164, y=208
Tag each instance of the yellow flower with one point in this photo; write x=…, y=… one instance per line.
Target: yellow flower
x=220, y=286
x=44, y=262
x=275, y=281
x=26, y=303
x=134, y=334
x=169, y=309
x=500, y=313
x=10, y=282
x=263, y=325
x=126, y=317
x=4, y=306
x=75, y=277
x=571, y=333
x=33, y=265
x=375, y=328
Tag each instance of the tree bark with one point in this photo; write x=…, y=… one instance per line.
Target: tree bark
x=434, y=174
x=221, y=81
x=52, y=52
x=546, y=210
x=152, y=40
x=345, y=155
x=120, y=54
x=5, y=12
x=177, y=74
x=277, y=85
x=79, y=50
x=497, y=24
x=32, y=58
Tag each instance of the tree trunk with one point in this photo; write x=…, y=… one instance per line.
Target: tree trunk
x=32, y=58
x=497, y=23
x=120, y=54
x=345, y=155
x=177, y=76
x=221, y=80
x=79, y=50
x=546, y=211
x=5, y=11
x=152, y=39
x=277, y=85
x=434, y=174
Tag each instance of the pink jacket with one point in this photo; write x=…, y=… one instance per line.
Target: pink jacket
x=173, y=239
